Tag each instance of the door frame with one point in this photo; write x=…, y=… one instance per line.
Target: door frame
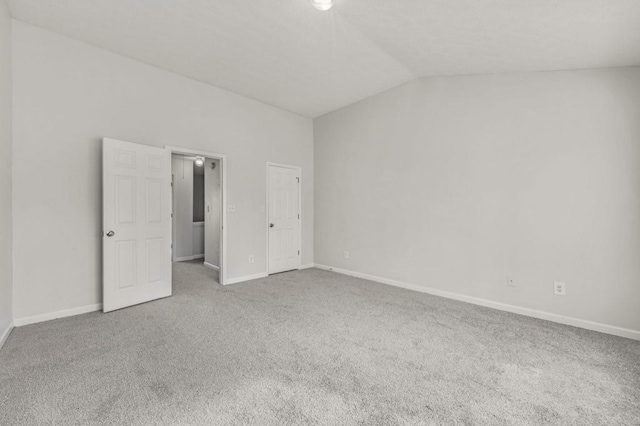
x=284, y=166
x=223, y=208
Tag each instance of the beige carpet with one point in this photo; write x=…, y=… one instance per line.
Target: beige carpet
x=313, y=347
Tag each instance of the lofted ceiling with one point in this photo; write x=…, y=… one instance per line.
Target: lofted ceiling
x=288, y=54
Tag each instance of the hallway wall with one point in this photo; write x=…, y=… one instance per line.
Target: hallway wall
x=188, y=237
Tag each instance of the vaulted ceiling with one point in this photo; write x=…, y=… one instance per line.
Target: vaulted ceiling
x=288, y=54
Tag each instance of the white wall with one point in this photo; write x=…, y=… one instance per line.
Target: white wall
x=456, y=183
x=5, y=171
x=212, y=212
x=67, y=96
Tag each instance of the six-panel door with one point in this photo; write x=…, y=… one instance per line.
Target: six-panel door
x=284, y=219
x=137, y=224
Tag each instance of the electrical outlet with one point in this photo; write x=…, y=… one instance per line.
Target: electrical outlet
x=250, y=258
x=231, y=208
x=346, y=254
x=559, y=288
x=511, y=282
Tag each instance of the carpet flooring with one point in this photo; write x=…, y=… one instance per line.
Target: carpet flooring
x=313, y=347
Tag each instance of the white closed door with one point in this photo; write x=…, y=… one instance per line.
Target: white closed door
x=284, y=218
x=136, y=191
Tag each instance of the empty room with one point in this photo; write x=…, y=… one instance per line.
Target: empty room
x=319, y=212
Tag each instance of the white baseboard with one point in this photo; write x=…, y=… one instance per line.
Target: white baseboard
x=186, y=258
x=18, y=322
x=4, y=334
x=211, y=266
x=576, y=322
x=260, y=275
x=247, y=278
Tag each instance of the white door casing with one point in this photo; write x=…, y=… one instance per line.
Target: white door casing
x=283, y=218
x=136, y=185
x=212, y=214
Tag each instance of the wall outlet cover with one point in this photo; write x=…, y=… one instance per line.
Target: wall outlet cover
x=511, y=282
x=346, y=254
x=559, y=288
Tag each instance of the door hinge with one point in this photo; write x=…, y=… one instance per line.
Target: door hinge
x=298, y=215
x=298, y=179
x=298, y=252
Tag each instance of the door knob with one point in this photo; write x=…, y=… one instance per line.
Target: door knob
x=271, y=225
x=110, y=234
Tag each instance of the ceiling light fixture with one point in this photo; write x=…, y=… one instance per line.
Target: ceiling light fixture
x=322, y=4
x=199, y=161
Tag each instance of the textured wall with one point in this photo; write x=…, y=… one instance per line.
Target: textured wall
x=67, y=96
x=5, y=170
x=456, y=183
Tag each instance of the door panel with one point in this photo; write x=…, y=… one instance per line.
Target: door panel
x=137, y=224
x=125, y=264
x=284, y=219
x=125, y=199
x=154, y=200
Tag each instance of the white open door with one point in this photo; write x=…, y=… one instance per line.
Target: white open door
x=283, y=218
x=136, y=241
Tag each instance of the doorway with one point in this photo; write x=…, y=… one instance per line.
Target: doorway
x=283, y=218
x=198, y=205
x=138, y=229
x=196, y=209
